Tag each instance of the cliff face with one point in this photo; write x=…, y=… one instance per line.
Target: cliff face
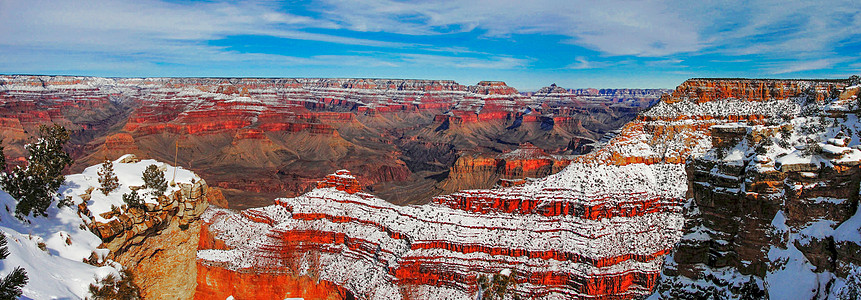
x=773, y=208
x=284, y=134
x=512, y=168
x=570, y=234
x=705, y=90
x=157, y=242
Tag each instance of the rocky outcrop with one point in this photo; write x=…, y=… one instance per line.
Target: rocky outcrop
x=773, y=206
x=217, y=283
x=708, y=89
x=341, y=180
x=158, y=242
x=570, y=234
x=473, y=170
x=129, y=223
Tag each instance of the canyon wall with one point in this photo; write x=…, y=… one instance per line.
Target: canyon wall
x=773, y=208
x=550, y=236
x=256, y=139
x=600, y=228
x=158, y=241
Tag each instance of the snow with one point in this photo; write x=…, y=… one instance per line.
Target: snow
x=698, y=234
x=723, y=107
x=129, y=174
x=578, y=184
x=797, y=158
x=59, y=272
x=819, y=200
x=849, y=230
x=816, y=230
x=793, y=277
x=837, y=142
x=835, y=150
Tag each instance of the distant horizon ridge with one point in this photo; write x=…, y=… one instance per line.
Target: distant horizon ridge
x=428, y=79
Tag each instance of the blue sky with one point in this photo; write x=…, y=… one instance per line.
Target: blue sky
x=528, y=44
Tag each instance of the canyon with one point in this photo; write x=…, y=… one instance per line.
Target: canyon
x=726, y=188
x=256, y=139
x=601, y=228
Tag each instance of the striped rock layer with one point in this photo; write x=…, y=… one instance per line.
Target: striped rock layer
x=599, y=229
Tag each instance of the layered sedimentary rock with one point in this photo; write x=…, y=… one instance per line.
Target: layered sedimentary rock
x=284, y=134
x=559, y=239
x=774, y=205
x=158, y=241
x=528, y=162
x=600, y=228
x=706, y=89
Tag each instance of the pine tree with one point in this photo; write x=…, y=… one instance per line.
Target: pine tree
x=834, y=93
x=107, y=177
x=2, y=157
x=112, y=287
x=154, y=179
x=36, y=184
x=496, y=287
x=133, y=199
x=10, y=286
x=48, y=151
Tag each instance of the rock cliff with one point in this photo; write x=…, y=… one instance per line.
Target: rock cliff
x=158, y=241
x=773, y=206
x=549, y=234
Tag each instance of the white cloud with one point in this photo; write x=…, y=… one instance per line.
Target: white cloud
x=150, y=29
x=801, y=66
x=139, y=34
x=769, y=28
x=642, y=28
x=581, y=63
x=790, y=28
x=493, y=62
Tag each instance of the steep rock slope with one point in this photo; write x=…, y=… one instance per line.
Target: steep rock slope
x=558, y=238
x=774, y=206
x=158, y=241
x=401, y=137
x=97, y=235
x=600, y=228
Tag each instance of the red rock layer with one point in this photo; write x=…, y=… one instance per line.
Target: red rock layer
x=598, y=229
x=120, y=142
x=218, y=283
x=342, y=180
x=705, y=90
x=278, y=129
x=482, y=202
x=440, y=248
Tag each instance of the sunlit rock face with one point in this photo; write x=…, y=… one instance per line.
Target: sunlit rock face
x=559, y=240
x=757, y=90
x=600, y=228
x=256, y=139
